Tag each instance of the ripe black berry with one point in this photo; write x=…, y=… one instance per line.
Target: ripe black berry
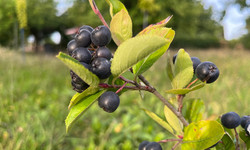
x=244, y=120
x=101, y=67
x=153, y=146
x=196, y=61
x=143, y=144
x=82, y=54
x=207, y=71
x=230, y=120
x=71, y=46
x=83, y=38
x=101, y=36
x=109, y=101
x=103, y=52
x=247, y=128
x=86, y=27
x=79, y=87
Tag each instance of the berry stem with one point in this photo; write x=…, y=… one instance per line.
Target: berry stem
x=169, y=140
x=97, y=12
x=121, y=87
x=180, y=101
x=175, y=146
x=237, y=147
x=192, y=83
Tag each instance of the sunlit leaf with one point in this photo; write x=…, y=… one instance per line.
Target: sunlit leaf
x=161, y=122
x=201, y=135
x=133, y=50
x=79, y=69
x=147, y=62
x=173, y=121
x=115, y=7
x=78, y=109
x=79, y=96
x=193, y=110
x=183, y=70
x=169, y=68
x=121, y=27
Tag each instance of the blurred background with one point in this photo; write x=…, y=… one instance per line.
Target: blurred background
x=35, y=87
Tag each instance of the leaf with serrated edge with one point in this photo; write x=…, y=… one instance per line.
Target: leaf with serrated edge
x=77, y=110
x=245, y=138
x=226, y=144
x=201, y=135
x=193, y=110
x=115, y=7
x=121, y=27
x=87, y=76
x=183, y=70
x=161, y=122
x=173, y=121
x=133, y=50
x=79, y=96
x=147, y=62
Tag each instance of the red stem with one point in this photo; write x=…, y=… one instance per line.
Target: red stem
x=121, y=87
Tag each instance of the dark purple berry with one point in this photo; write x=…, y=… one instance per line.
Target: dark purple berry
x=86, y=27
x=82, y=54
x=79, y=87
x=143, y=144
x=196, y=61
x=71, y=46
x=109, y=101
x=153, y=146
x=101, y=36
x=75, y=78
x=244, y=120
x=247, y=128
x=83, y=38
x=101, y=67
x=103, y=52
x=207, y=71
x=230, y=120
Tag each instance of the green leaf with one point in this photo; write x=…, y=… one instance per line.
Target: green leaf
x=229, y=131
x=133, y=50
x=79, y=96
x=193, y=110
x=201, y=135
x=121, y=27
x=78, y=109
x=87, y=76
x=185, y=90
x=157, y=25
x=183, y=70
x=161, y=122
x=115, y=7
x=245, y=138
x=173, y=121
x=147, y=62
x=169, y=68
x=226, y=144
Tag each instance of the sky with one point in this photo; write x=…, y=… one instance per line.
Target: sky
x=233, y=23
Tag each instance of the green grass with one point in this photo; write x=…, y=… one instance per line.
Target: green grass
x=35, y=93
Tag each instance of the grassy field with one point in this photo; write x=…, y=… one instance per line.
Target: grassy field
x=35, y=92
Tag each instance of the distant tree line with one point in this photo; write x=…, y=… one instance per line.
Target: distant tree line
x=193, y=25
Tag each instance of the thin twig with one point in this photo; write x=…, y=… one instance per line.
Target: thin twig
x=192, y=83
x=237, y=147
x=108, y=86
x=97, y=12
x=180, y=102
x=178, y=114
x=121, y=87
x=175, y=146
x=126, y=80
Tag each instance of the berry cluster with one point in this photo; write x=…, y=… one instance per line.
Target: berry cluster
x=89, y=48
x=204, y=71
x=232, y=120
x=146, y=145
